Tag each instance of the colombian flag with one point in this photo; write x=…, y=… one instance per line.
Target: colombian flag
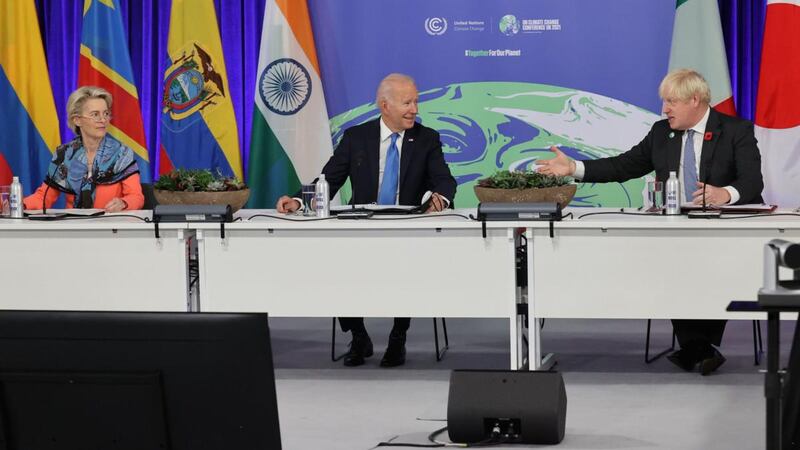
x=27, y=111
x=198, y=128
x=105, y=62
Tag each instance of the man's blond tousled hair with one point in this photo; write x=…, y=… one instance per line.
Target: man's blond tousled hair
x=683, y=84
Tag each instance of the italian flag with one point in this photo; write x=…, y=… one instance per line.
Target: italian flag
x=778, y=104
x=291, y=138
x=697, y=44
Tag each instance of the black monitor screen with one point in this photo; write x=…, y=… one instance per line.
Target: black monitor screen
x=179, y=381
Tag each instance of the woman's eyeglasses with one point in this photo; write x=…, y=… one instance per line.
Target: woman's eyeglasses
x=98, y=117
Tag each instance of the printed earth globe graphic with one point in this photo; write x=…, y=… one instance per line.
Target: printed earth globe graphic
x=489, y=126
x=509, y=25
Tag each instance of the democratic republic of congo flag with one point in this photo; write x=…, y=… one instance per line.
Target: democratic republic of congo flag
x=105, y=62
x=198, y=127
x=27, y=110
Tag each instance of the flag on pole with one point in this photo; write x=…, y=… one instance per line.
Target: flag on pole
x=291, y=138
x=198, y=127
x=27, y=110
x=698, y=44
x=778, y=104
x=105, y=62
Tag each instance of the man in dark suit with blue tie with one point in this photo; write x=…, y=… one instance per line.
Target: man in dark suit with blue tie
x=717, y=161
x=392, y=160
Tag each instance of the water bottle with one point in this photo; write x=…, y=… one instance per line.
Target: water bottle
x=16, y=198
x=322, y=203
x=673, y=194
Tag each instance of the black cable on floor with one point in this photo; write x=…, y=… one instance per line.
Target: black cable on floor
x=495, y=439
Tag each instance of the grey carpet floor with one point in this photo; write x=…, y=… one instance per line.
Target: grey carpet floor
x=615, y=400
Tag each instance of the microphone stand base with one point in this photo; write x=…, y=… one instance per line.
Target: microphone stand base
x=715, y=214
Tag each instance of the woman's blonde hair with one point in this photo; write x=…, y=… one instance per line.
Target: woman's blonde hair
x=78, y=98
x=683, y=84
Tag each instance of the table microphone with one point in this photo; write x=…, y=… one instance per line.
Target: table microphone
x=44, y=198
x=705, y=213
x=44, y=215
x=359, y=157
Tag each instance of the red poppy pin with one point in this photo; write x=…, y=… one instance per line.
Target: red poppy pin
x=708, y=136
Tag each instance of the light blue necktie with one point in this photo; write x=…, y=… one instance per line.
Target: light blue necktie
x=388, y=191
x=689, y=167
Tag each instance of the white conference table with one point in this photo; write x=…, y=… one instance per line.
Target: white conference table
x=430, y=266
x=646, y=267
x=110, y=263
x=599, y=266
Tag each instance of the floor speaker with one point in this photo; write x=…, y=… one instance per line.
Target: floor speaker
x=506, y=406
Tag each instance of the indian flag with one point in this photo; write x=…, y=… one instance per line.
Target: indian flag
x=778, y=104
x=291, y=138
x=697, y=44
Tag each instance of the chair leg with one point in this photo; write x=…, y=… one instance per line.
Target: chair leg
x=440, y=351
x=758, y=345
x=447, y=341
x=335, y=358
x=647, y=358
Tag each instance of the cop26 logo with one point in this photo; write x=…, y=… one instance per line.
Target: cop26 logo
x=435, y=26
x=509, y=25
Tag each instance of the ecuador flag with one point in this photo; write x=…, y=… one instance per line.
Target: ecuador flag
x=198, y=127
x=27, y=111
x=291, y=135
x=105, y=62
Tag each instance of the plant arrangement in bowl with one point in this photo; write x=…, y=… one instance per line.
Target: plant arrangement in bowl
x=200, y=187
x=523, y=187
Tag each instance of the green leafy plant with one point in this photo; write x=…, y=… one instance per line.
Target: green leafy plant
x=505, y=179
x=197, y=180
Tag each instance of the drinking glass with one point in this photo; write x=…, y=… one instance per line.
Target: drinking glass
x=5, y=201
x=655, y=196
x=308, y=191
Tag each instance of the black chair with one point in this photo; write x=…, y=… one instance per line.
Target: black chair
x=758, y=344
x=439, y=350
x=149, y=196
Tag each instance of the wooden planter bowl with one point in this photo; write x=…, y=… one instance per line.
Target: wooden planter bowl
x=236, y=199
x=561, y=195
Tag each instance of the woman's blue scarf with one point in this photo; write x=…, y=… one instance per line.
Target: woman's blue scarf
x=68, y=171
